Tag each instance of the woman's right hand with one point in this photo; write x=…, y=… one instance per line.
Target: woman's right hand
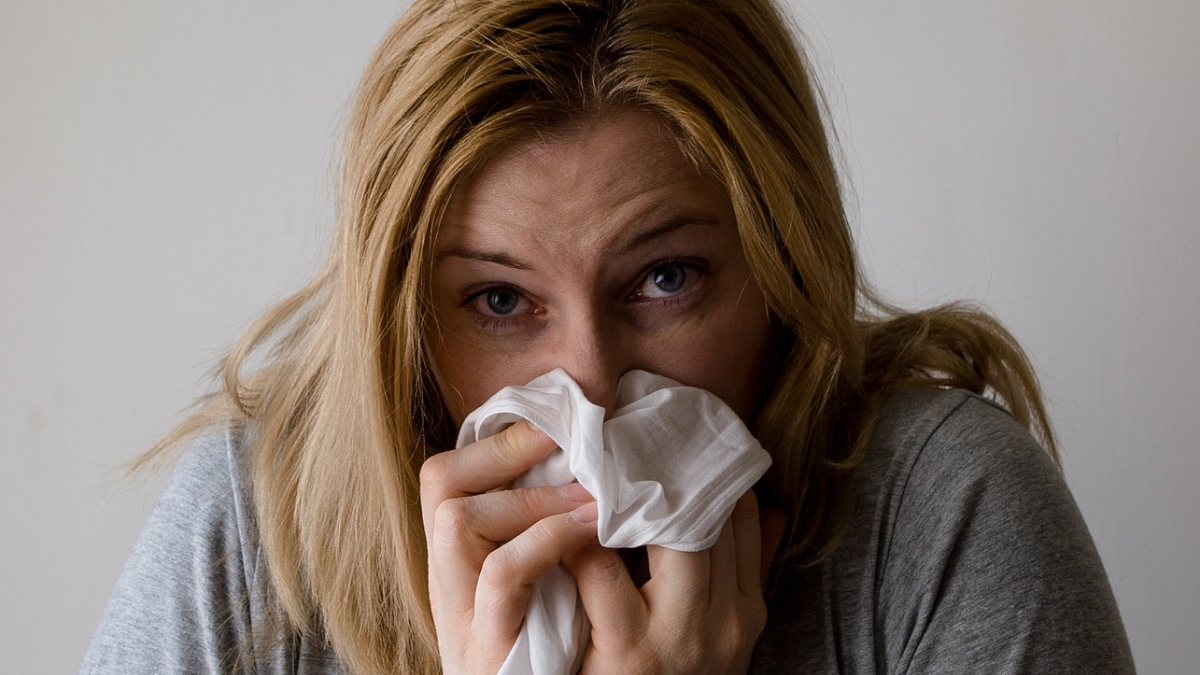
x=488, y=544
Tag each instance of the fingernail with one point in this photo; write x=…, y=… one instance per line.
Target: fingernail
x=535, y=431
x=588, y=513
x=575, y=492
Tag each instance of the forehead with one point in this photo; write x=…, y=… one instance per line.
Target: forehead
x=590, y=182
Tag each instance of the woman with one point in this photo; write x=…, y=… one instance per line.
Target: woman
x=603, y=186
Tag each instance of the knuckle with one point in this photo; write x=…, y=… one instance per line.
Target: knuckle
x=691, y=654
x=756, y=619
x=544, y=536
x=527, y=500
x=522, y=442
x=603, y=568
x=433, y=473
x=452, y=520
x=642, y=659
x=730, y=642
x=740, y=632
x=648, y=665
x=499, y=571
x=674, y=638
x=512, y=441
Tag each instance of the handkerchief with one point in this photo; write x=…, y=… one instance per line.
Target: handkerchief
x=666, y=469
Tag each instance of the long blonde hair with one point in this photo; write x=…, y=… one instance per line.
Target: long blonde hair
x=344, y=411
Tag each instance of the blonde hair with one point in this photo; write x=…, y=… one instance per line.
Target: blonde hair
x=345, y=410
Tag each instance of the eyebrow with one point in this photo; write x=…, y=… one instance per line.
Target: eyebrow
x=666, y=228
x=632, y=243
x=485, y=256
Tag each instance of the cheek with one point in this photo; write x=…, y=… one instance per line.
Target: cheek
x=728, y=355
x=467, y=366
x=469, y=371
x=466, y=374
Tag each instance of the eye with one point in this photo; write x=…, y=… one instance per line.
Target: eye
x=501, y=300
x=499, y=308
x=664, y=281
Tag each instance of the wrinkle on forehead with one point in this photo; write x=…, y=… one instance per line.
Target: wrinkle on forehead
x=578, y=187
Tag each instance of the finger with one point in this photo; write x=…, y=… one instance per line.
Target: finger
x=467, y=530
x=748, y=544
x=725, y=559
x=482, y=466
x=678, y=585
x=509, y=573
x=772, y=526
x=615, y=608
x=501, y=515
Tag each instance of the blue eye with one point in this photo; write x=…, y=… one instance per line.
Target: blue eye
x=670, y=279
x=665, y=281
x=502, y=300
x=499, y=309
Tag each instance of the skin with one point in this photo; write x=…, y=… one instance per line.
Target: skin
x=598, y=249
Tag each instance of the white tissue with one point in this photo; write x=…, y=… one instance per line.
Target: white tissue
x=666, y=469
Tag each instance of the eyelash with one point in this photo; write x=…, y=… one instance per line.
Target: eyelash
x=694, y=266
x=493, y=324
x=501, y=324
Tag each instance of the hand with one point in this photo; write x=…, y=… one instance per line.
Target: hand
x=698, y=613
x=488, y=544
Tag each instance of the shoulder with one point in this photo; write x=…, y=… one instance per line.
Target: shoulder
x=187, y=573
x=195, y=593
x=937, y=439
x=916, y=421
x=982, y=559
x=966, y=553
x=206, y=512
x=949, y=468
x=209, y=484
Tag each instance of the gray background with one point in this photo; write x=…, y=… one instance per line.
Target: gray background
x=165, y=174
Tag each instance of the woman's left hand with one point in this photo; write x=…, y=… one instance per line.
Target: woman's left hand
x=698, y=613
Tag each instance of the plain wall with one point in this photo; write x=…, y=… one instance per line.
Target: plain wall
x=166, y=172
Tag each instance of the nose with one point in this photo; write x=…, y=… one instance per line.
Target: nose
x=596, y=354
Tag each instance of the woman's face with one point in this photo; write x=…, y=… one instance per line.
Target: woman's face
x=598, y=250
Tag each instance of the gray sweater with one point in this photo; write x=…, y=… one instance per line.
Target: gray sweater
x=966, y=555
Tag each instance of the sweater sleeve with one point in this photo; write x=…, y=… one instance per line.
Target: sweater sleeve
x=182, y=603
x=989, y=567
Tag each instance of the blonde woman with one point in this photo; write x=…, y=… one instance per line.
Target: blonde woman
x=605, y=186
